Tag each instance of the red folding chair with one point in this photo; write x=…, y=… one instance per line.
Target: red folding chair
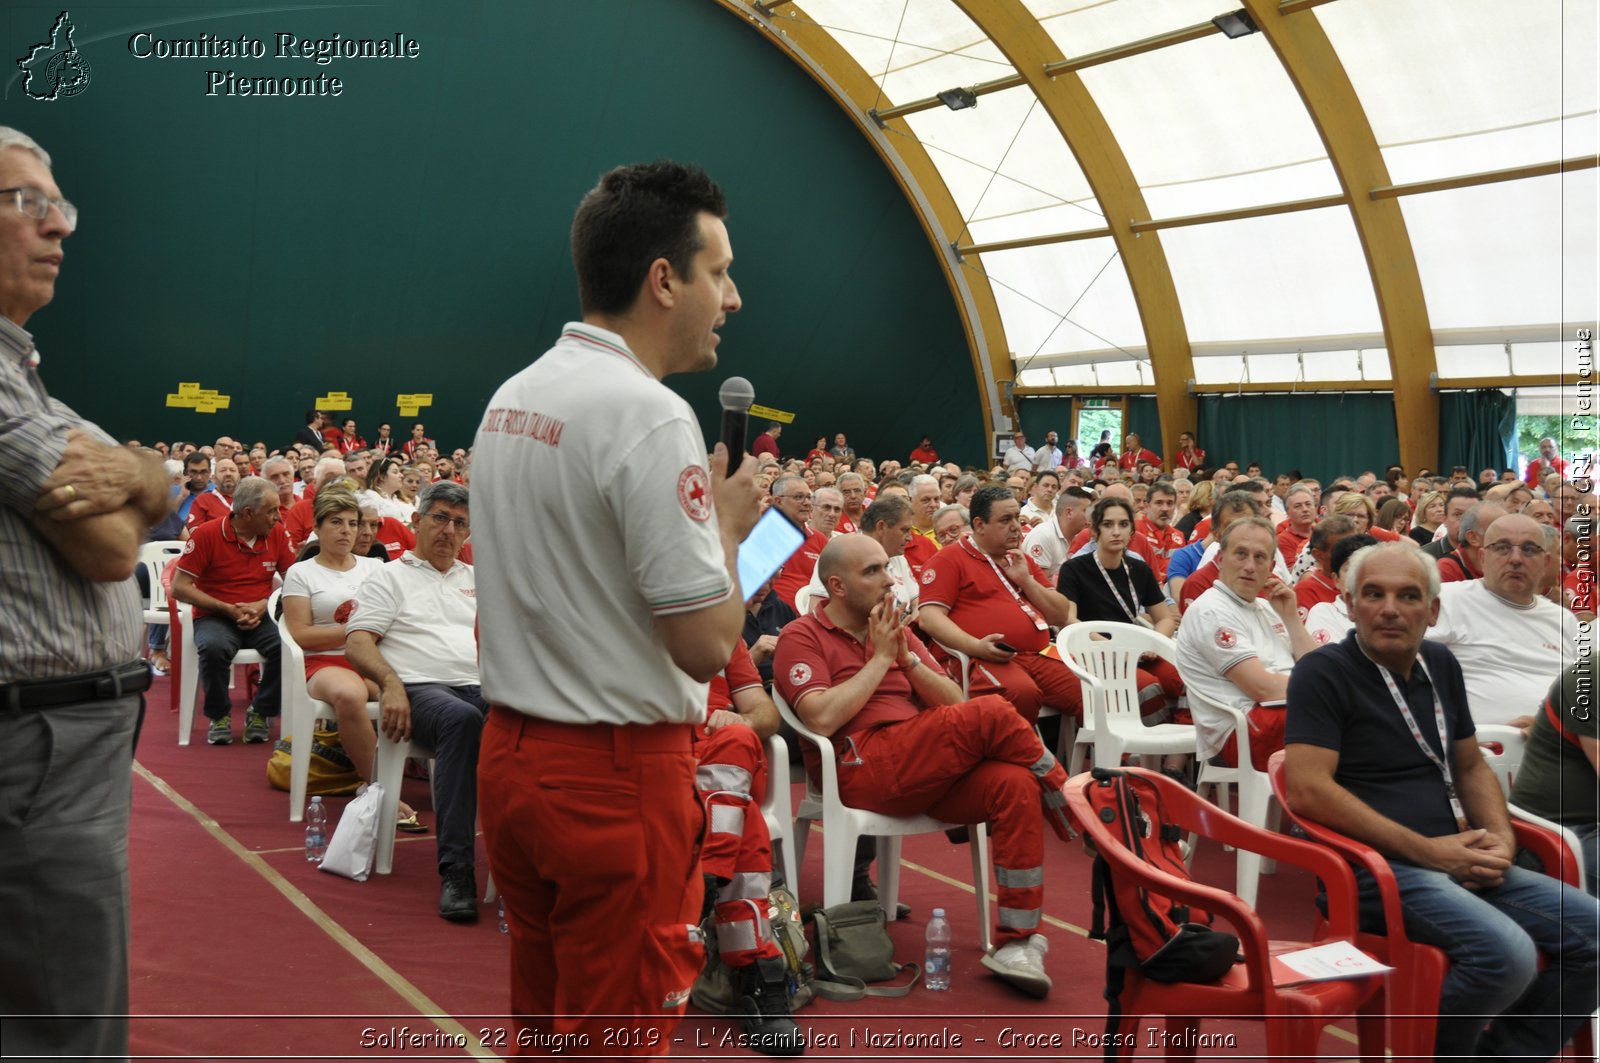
x=1294, y=1013
x=1419, y=970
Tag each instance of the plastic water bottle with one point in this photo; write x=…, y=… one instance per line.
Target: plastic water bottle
x=936, y=959
x=316, y=831
x=505, y=927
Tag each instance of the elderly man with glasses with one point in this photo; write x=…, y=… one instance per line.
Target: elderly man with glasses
x=794, y=500
x=1507, y=638
x=424, y=608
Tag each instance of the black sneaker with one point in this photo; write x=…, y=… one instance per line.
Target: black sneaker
x=458, y=895
x=763, y=1009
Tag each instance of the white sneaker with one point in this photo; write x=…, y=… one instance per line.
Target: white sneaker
x=1022, y=964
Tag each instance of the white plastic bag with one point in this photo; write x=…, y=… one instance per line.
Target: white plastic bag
x=354, y=844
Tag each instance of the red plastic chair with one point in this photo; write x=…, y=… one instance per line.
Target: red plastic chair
x=1294, y=1014
x=1419, y=970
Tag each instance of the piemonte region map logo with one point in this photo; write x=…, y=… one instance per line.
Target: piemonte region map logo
x=55, y=69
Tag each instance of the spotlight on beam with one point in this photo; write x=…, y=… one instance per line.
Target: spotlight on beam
x=1236, y=24
x=958, y=99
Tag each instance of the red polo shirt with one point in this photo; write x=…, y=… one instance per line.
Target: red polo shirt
x=926, y=455
x=798, y=569
x=1537, y=470
x=231, y=570
x=1291, y=542
x=1454, y=568
x=919, y=551
x=297, y=522
x=740, y=674
x=980, y=598
x=815, y=655
x=1313, y=589
x=207, y=508
x=397, y=538
x=1186, y=460
x=1163, y=541
x=1131, y=459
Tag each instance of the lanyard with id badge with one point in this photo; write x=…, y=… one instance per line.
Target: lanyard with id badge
x=1443, y=765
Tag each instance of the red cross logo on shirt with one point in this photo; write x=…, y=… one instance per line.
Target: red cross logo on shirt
x=1226, y=639
x=694, y=493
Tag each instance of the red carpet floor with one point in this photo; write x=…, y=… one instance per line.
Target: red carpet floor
x=243, y=950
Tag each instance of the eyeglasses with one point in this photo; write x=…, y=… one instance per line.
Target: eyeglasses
x=459, y=523
x=35, y=204
x=1503, y=549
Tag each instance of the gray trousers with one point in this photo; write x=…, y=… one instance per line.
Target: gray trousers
x=65, y=791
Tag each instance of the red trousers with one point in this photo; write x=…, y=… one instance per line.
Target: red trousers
x=592, y=835
x=1266, y=736
x=731, y=780
x=976, y=762
x=1029, y=681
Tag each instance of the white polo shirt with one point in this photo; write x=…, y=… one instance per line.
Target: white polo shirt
x=1219, y=631
x=1328, y=622
x=1509, y=654
x=1048, y=548
x=592, y=514
x=425, y=619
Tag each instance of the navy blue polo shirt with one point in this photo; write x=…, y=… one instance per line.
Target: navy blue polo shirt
x=1338, y=700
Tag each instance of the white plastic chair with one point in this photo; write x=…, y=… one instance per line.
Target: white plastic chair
x=1108, y=668
x=843, y=825
x=1256, y=803
x=1508, y=760
x=778, y=810
x=155, y=556
x=189, y=686
x=300, y=715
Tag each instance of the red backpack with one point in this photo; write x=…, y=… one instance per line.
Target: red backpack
x=1146, y=932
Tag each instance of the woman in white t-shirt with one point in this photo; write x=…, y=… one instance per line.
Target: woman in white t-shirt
x=387, y=478
x=319, y=595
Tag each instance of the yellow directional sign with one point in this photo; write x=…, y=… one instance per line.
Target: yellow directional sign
x=768, y=413
x=335, y=400
x=411, y=405
x=201, y=400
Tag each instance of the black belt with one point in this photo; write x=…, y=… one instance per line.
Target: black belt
x=124, y=679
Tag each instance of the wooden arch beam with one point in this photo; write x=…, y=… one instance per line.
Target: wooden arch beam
x=1330, y=99
x=815, y=51
x=1024, y=42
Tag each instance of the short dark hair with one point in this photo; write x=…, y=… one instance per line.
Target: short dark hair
x=1346, y=547
x=984, y=498
x=1163, y=487
x=887, y=510
x=1461, y=492
x=197, y=458
x=635, y=215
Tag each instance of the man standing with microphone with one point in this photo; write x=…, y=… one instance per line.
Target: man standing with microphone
x=599, y=635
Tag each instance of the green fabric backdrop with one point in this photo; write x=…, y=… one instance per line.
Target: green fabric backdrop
x=1323, y=435
x=1477, y=429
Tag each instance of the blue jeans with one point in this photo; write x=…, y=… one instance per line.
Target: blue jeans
x=449, y=721
x=1494, y=938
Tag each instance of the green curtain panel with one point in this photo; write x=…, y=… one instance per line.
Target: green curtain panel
x=1038, y=416
x=1477, y=429
x=1322, y=435
x=1144, y=419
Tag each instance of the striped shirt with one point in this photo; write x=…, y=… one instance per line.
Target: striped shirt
x=53, y=622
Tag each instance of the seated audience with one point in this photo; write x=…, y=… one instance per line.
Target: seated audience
x=888, y=522
x=1155, y=524
x=794, y=500
x=950, y=523
x=1041, y=502
x=985, y=598
x=1238, y=650
x=299, y=518
x=1049, y=543
x=1317, y=584
x=1507, y=639
x=1330, y=621
x=414, y=635
x=1367, y=758
x=227, y=572
x=766, y=615
x=908, y=745
x=1428, y=517
x=1456, y=503
x=319, y=593
x=1465, y=559
x=216, y=503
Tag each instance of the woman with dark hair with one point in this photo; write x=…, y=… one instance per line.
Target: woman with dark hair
x=1101, y=456
x=1109, y=584
x=386, y=478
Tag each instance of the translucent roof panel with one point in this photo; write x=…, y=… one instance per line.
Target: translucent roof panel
x=1007, y=167
x=911, y=48
x=1286, y=275
x=1365, y=365
x=1213, y=110
x=1514, y=253
x=1472, y=360
x=1063, y=297
x=1486, y=82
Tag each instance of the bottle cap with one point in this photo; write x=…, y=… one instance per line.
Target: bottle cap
x=938, y=913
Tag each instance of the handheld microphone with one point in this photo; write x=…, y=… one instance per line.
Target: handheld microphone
x=737, y=397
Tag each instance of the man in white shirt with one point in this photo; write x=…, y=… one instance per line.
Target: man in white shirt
x=1236, y=650
x=1041, y=504
x=1049, y=544
x=1020, y=456
x=1507, y=638
x=424, y=608
x=1047, y=456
